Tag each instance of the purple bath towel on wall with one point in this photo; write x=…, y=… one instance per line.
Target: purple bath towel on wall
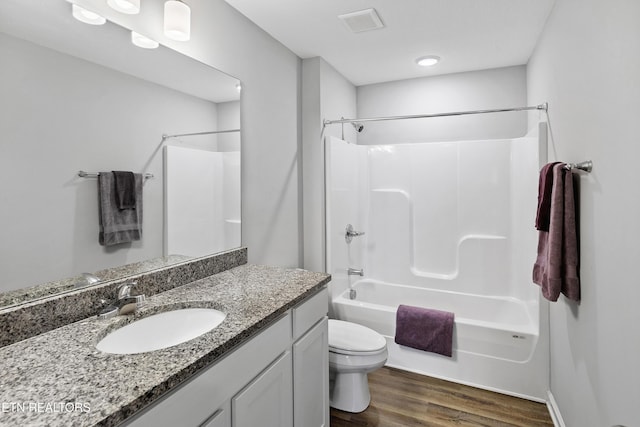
x=556, y=269
x=425, y=329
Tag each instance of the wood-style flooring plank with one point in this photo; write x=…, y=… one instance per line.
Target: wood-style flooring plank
x=405, y=399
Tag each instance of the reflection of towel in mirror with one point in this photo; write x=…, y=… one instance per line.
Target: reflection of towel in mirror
x=125, y=189
x=118, y=225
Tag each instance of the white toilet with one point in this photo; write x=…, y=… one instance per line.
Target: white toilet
x=354, y=350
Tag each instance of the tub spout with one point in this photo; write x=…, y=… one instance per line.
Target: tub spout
x=355, y=272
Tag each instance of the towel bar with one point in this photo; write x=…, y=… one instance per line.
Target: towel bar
x=84, y=174
x=583, y=166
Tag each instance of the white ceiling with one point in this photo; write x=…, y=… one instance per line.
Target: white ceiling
x=467, y=34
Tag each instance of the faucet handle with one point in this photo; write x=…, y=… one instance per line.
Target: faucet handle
x=350, y=233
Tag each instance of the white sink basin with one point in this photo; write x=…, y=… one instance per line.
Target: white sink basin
x=161, y=330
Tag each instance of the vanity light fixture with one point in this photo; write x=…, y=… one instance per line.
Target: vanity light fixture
x=130, y=7
x=86, y=16
x=143, y=41
x=177, y=20
x=428, y=61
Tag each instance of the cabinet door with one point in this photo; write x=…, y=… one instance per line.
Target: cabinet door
x=311, y=378
x=268, y=400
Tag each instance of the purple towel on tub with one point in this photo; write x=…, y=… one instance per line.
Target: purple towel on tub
x=425, y=329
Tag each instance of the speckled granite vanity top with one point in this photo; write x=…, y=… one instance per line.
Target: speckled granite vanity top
x=59, y=378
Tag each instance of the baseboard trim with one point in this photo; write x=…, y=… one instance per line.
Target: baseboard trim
x=554, y=410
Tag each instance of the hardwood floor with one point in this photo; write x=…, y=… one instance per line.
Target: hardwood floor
x=404, y=399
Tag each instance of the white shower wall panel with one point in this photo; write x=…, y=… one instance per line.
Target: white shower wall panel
x=439, y=215
x=346, y=204
x=483, y=186
x=434, y=193
x=524, y=238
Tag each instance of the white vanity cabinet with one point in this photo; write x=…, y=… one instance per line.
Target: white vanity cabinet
x=278, y=378
x=311, y=378
x=311, y=364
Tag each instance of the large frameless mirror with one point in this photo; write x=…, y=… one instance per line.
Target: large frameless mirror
x=78, y=97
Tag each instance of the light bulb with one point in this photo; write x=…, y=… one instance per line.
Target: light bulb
x=177, y=20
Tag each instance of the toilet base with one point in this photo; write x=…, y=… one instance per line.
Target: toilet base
x=349, y=392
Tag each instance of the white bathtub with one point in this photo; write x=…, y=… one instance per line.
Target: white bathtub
x=495, y=338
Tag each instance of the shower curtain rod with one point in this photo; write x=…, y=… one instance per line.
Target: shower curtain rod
x=165, y=136
x=424, y=116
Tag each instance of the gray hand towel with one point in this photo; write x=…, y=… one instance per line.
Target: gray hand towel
x=125, y=189
x=118, y=225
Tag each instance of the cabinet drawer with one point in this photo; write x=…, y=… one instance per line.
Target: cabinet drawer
x=309, y=312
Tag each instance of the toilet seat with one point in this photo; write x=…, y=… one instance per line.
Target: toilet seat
x=353, y=339
x=355, y=353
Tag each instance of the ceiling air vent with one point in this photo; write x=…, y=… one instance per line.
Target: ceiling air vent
x=363, y=20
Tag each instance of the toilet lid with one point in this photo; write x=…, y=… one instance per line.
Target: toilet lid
x=349, y=336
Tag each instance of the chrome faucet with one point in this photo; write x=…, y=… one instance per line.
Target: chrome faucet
x=125, y=303
x=355, y=272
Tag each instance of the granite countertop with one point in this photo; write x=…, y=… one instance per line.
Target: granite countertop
x=59, y=378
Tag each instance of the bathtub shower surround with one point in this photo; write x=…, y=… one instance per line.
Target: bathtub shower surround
x=449, y=226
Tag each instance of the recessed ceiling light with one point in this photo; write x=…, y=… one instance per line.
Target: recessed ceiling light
x=428, y=61
x=86, y=16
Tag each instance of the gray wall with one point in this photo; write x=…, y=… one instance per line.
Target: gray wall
x=587, y=66
x=475, y=90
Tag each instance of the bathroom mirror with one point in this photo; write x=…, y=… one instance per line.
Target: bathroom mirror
x=78, y=97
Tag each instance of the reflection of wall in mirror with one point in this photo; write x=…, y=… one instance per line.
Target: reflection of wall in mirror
x=201, y=206
x=62, y=114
